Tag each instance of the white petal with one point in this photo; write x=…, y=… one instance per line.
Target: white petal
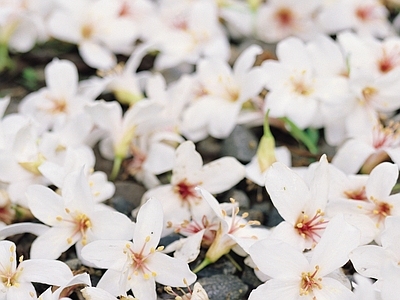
x=76, y=192
x=299, y=60
x=8, y=256
x=45, y=204
x=23, y=291
x=277, y=289
x=189, y=248
x=319, y=186
x=332, y=251
x=106, y=115
x=246, y=60
x=143, y=288
x=221, y=174
x=381, y=180
x=187, y=160
x=117, y=227
x=332, y=290
x=113, y=283
x=170, y=271
x=18, y=228
x=149, y=224
x=53, y=272
x=62, y=77
x=278, y=259
x=97, y=56
x=79, y=279
x=390, y=288
x=351, y=156
x=368, y=260
x=106, y=254
x=287, y=190
x=92, y=293
x=52, y=243
x=286, y=232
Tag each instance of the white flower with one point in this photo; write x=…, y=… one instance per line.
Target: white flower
x=59, y=100
x=367, y=150
x=233, y=232
x=180, y=197
x=74, y=217
x=179, y=30
x=345, y=189
x=223, y=93
x=16, y=281
x=296, y=277
x=297, y=90
x=300, y=204
x=375, y=202
x=376, y=261
x=365, y=17
x=137, y=266
x=95, y=26
x=121, y=129
x=75, y=160
x=19, y=160
x=279, y=19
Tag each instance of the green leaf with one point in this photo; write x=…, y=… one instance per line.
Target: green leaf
x=308, y=137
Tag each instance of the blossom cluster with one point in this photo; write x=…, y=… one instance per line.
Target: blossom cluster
x=334, y=71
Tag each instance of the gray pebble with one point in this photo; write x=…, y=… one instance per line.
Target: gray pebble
x=127, y=196
x=241, y=144
x=224, y=287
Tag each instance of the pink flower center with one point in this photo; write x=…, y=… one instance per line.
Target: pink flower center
x=365, y=13
x=356, y=194
x=138, y=264
x=81, y=222
x=309, y=281
x=189, y=228
x=386, y=136
x=310, y=228
x=284, y=17
x=389, y=60
x=381, y=210
x=125, y=10
x=186, y=190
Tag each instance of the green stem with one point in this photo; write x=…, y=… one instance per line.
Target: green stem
x=203, y=264
x=302, y=136
x=116, y=167
x=5, y=61
x=237, y=266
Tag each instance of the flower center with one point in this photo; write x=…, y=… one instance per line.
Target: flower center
x=309, y=281
x=138, y=260
x=309, y=228
x=368, y=93
x=381, y=210
x=388, y=61
x=87, y=31
x=7, y=275
x=365, y=13
x=284, y=17
x=81, y=222
x=188, y=228
x=136, y=163
x=186, y=190
x=124, y=10
x=356, y=194
x=300, y=86
x=386, y=136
